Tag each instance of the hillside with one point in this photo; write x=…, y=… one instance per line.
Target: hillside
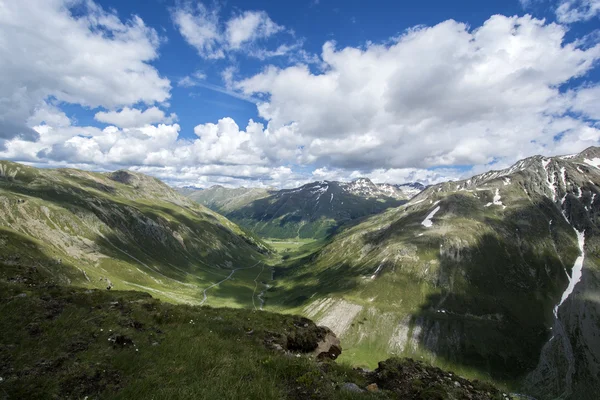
x=73, y=343
x=497, y=275
x=126, y=231
x=314, y=211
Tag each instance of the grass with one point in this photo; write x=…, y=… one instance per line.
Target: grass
x=66, y=342
x=88, y=229
x=288, y=246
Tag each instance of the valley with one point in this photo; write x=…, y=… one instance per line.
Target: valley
x=493, y=277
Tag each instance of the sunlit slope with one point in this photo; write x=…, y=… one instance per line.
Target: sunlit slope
x=469, y=274
x=124, y=230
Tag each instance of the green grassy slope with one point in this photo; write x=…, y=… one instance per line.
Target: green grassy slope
x=476, y=290
x=73, y=343
x=124, y=230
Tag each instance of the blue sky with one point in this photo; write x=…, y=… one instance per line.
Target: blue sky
x=267, y=93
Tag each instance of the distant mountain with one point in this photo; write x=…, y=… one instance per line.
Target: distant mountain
x=224, y=200
x=498, y=274
x=122, y=230
x=314, y=210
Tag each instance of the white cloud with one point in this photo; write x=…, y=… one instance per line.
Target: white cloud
x=212, y=38
x=132, y=117
x=91, y=58
x=200, y=28
x=587, y=102
x=250, y=26
x=192, y=80
x=436, y=96
x=569, y=11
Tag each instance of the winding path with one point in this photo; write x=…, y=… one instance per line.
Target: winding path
x=262, y=302
x=226, y=279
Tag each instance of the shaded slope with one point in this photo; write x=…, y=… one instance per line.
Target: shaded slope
x=315, y=210
x=477, y=288
x=122, y=230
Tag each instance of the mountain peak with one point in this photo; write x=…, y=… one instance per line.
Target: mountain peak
x=590, y=152
x=362, y=180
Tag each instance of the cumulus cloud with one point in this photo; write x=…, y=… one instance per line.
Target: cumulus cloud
x=212, y=38
x=411, y=109
x=89, y=57
x=436, y=96
x=132, y=117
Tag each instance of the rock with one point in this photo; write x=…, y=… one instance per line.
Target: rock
x=351, y=387
x=456, y=384
x=277, y=347
x=120, y=340
x=329, y=347
x=373, y=388
x=21, y=295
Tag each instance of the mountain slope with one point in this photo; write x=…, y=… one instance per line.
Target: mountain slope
x=470, y=274
x=224, y=200
x=314, y=210
x=72, y=343
x=123, y=230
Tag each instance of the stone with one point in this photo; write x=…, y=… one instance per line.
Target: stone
x=328, y=348
x=373, y=388
x=351, y=387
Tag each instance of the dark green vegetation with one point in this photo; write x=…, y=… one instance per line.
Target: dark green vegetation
x=72, y=343
x=313, y=211
x=474, y=291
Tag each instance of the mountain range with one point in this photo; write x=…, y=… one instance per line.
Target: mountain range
x=495, y=277
x=498, y=274
x=315, y=210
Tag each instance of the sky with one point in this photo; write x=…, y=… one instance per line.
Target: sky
x=278, y=94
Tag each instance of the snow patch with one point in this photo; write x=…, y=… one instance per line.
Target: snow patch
x=563, y=175
x=568, y=156
x=575, y=273
x=594, y=162
x=496, y=201
x=506, y=181
x=549, y=182
x=427, y=223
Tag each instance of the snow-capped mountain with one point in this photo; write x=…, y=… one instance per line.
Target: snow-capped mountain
x=312, y=210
